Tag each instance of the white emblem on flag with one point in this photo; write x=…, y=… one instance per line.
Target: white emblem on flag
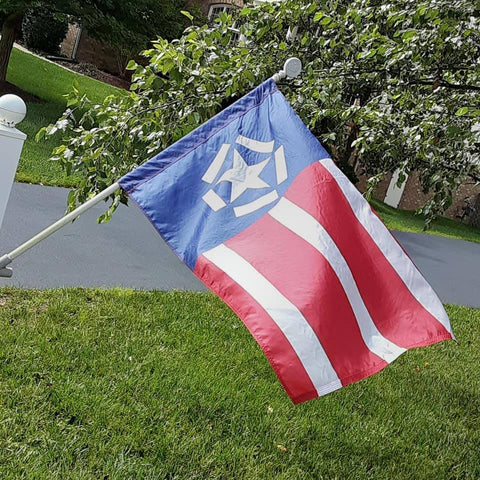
x=243, y=176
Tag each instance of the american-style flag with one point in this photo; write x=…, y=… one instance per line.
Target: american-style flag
x=253, y=204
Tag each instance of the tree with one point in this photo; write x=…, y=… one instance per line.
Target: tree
x=11, y=23
x=386, y=86
x=43, y=31
x=125, y=25
x=130, y=26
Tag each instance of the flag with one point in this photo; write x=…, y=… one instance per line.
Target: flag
x=253, y=204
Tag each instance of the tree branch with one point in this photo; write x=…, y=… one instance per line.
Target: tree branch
x=472, y=175
x=444, y=83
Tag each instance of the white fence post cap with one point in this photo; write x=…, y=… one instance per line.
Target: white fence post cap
x=12, y=110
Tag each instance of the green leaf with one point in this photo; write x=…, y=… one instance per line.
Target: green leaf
x=75, y=86
x=461, y=111
x=59, y=150
x=132, y=65
x=41, y=134
x=72, y=102
x=325, y=21
x=187, y=14
x=408, y=35
x=191, y=36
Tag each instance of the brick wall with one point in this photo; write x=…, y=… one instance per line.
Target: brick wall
x=413, y=196
x=475, y=220
x=97, y=53
x=381, y=188
x=90, y=50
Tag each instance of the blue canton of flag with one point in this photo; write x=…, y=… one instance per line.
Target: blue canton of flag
x=224, y=175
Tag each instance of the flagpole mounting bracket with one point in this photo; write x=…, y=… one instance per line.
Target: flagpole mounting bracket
x=291, y=69
x=6, y=272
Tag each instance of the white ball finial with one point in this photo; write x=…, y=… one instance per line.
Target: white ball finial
x=293, y=67
x=12, y=110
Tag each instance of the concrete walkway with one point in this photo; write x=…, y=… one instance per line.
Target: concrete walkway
x=127, y=252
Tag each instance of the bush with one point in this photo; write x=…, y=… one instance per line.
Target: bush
x=43, y=30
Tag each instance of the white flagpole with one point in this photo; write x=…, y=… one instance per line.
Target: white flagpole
x=291, y=69
x=8, y=258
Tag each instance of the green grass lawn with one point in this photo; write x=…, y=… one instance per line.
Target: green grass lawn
x=407, y=221
x=49, y=82
x=153, y=385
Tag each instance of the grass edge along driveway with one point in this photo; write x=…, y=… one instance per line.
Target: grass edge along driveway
x=408, y=221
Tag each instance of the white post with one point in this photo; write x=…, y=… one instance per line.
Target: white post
x=394, y=193
x=12, y=111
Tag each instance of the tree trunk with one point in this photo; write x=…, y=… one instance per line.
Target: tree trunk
x=10, y=28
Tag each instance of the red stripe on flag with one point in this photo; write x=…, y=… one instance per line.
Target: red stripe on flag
x=271, y=339
x=306, y=278
x=395, y=311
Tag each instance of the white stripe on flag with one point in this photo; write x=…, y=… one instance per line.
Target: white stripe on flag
x=214, y=201
x=392, y=251
x=309, y=229
x=285, y=314
x=215, y=167
x=255, y=145
x=256, y=204
x=280, y=165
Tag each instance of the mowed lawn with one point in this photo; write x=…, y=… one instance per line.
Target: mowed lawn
x=49, y=83
x=153, y=385
x=407, y=221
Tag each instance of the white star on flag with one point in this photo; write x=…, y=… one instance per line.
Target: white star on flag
x=243, y=176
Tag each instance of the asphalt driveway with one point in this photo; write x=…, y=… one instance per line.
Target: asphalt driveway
x=127, y=252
